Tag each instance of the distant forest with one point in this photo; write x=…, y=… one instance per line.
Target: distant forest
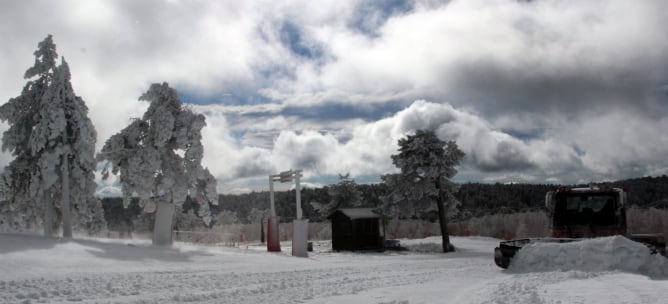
x=477, y=199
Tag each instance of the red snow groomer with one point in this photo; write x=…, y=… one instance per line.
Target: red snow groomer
x=582, y=213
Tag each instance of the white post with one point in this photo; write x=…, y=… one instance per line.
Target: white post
x=300, y=238
x=299, y=195
x=162, y=229
x=299, y=226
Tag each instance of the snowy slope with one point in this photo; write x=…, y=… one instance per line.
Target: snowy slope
x=39, y=270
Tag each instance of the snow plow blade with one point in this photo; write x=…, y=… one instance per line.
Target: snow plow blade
x=507, y=250
x=654, y=241
x=504, y=254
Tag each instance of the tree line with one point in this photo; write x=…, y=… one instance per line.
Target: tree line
x=477, y=200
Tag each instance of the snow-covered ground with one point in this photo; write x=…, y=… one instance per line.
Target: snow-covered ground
x=49, y=270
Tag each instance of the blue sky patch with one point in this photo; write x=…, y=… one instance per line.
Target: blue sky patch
x=523, y=135
x=339, y=111
x=371, y=15
x=293, y=38
x=230, y=96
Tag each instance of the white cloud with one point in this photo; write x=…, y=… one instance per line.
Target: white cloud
x=617, y=143
x=501, y=55
x=368, y=150
x=532, y=91
x=589, y=148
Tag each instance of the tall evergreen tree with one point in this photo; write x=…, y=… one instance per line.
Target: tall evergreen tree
x=19, y=210
x=53, y=141
x=427, y=164
x=159, y=158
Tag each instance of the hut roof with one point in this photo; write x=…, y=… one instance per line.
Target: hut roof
x=358, y=213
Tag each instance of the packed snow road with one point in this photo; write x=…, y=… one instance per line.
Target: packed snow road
x=40, y=270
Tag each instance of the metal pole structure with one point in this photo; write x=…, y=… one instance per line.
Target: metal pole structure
x=300, y=227
x=271, y=195
x=273, y=242
x=299, y=195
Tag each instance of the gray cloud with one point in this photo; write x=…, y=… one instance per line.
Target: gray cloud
x=507, y=157
x=532, y=91
x=369, y=16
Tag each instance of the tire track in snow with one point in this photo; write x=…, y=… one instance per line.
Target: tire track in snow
x=567, y=287
x=526, y=288
x=215, y=286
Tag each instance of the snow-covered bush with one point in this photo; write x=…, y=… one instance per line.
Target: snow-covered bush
x=187, y=221
x=514, y=225
x=320, y=231
x=537, y=224
x=412, y=229
x=647, y=220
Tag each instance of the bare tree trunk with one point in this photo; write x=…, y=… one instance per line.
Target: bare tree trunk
x=162, y=230
x=65, y=199
x=384, y=221
x=443, y=221
x=48, y=213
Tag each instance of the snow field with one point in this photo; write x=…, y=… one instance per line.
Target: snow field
x=49, y=270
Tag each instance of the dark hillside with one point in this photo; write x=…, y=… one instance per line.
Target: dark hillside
x=477, y=200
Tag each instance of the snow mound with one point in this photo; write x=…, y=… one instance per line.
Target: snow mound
x=430, y=244
x=425, y=247
x=615, y=253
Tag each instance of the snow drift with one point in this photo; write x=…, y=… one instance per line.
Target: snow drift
x=615, y=253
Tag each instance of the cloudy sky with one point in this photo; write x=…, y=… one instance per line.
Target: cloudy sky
x=544, y=91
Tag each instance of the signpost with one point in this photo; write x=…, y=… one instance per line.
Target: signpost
x=299, y=226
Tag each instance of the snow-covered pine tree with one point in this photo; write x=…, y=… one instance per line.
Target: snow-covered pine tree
x=18, y=208
x=159, y=158
x=69, y=139
x=53, y=141
x=427, y=164
x=344, y=194
x=227, y=217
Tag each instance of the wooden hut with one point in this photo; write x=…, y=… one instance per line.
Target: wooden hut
x=356, y=229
